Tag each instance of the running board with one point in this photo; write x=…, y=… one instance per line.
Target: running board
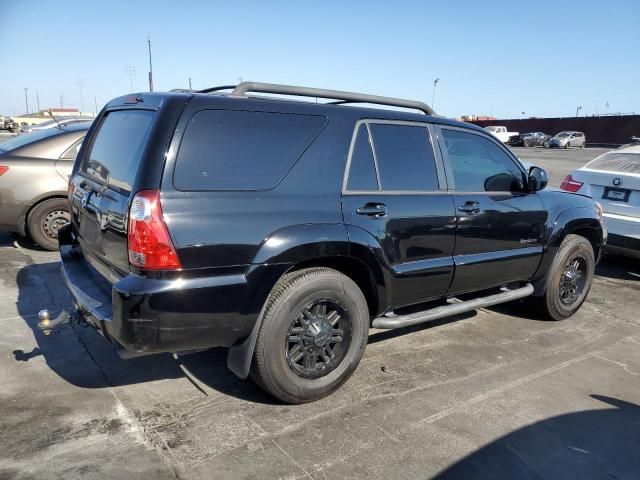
x=391, y=321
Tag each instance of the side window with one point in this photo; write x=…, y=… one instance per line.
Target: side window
x=362, y=170
x=405, y=157
x=479, y=165
x=71, y=152
x=242, y=150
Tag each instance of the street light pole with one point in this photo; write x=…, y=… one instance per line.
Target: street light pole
x=433, y=97
x=578, y=109
x=150, y=66
x=26, y=99
x=190, y=84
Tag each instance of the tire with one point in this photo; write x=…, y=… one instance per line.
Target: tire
x=551, y=304
x=293, y=308
x=44, y=221
x=566, y=147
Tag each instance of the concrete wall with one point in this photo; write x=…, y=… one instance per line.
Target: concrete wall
x=609, y=130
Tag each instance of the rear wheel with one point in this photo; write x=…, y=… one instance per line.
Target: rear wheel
x=46, y=219
x=569, y=279
x=313, y=334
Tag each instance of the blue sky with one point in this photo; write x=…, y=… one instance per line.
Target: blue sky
x=502, y=58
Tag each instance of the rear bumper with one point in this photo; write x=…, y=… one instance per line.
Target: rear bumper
x=624, y=234
x=169, y=314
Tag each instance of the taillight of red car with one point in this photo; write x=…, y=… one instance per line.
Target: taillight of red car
x=3, y=169
x=149, y=243
x=570, y=184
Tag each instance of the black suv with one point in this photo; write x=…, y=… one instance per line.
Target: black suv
x=286, y=229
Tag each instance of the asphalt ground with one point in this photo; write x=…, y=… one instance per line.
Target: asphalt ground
x=496, y=393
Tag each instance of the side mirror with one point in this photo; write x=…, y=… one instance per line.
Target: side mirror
x=538, y=179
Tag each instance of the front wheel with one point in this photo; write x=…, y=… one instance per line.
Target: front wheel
x=313, y=334
x=569, y=279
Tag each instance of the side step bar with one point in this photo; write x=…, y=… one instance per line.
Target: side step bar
x=392, y=321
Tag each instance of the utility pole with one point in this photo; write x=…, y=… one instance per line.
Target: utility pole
x=61, y=101
x=433, y=97
x=95, y=103
x=38, y=100
x=190, y=84
x=239, y=79
x=26, y=99
x=80, y=84
x=131, y=71
x=578, y=110
x=150, y=67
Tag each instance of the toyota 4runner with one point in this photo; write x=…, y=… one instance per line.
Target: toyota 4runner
x=285, y=229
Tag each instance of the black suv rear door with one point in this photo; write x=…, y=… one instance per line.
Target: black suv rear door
x=394, y=189
x=500, y=230
x=103, y=185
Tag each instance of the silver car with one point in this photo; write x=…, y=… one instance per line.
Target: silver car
x=34, y=172
x=568, y=139
x=613, y=179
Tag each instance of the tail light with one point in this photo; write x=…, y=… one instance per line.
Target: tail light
x=71, y=189
x=3, y=169
x=150, y=246
x=570, y=185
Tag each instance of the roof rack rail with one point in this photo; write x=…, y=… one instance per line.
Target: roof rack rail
x=342, y=97
x=216, y=89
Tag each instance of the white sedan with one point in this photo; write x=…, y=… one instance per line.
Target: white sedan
x=613, y=179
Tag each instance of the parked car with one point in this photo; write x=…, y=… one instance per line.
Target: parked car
x=34, y=172
x=11, y=125
x=614, y=180
x=57, y=122
x=531, y=139
x=568, y=139
x=285, y=230
x=501, y=133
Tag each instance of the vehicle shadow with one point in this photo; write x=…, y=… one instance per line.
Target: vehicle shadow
x=83, y=358
x=602, y=443
x=619, y=267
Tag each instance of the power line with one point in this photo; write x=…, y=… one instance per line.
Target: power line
x=130, y=70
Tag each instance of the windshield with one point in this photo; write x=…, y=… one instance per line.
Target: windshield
x=22, y=140
x=491, y=129
x=617, y=162
x=563, y=134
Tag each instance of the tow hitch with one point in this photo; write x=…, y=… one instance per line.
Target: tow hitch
x=46, y=325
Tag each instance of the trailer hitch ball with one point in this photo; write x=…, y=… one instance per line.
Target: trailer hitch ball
x=47, y=325
x=45, y=321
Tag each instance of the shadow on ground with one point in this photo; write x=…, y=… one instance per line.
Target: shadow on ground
x=41, y=285
x=600, y=443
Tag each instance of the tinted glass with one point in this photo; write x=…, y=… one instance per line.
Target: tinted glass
x=362, y=172
x=405, y=157
x=113, y=158
x=479, y=165
x=617, y=162
x=237, y=150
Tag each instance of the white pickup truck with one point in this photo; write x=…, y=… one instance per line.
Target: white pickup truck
x=501, y=133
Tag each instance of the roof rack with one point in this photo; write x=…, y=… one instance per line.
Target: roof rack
x=342, y=97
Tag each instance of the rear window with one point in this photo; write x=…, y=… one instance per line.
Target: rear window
x=617, y=162
x=242, y=150
x=27, y=138
x=113, y=157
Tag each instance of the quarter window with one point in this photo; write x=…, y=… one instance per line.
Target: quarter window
x=362, y=172
x=479, y=165
x=242, y=150
x=404, y=157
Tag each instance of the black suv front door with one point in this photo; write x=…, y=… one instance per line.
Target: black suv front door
x=500, y=226
x=394, y=193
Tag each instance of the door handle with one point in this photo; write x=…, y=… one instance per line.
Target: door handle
x=470, y=207
x=373, y=210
